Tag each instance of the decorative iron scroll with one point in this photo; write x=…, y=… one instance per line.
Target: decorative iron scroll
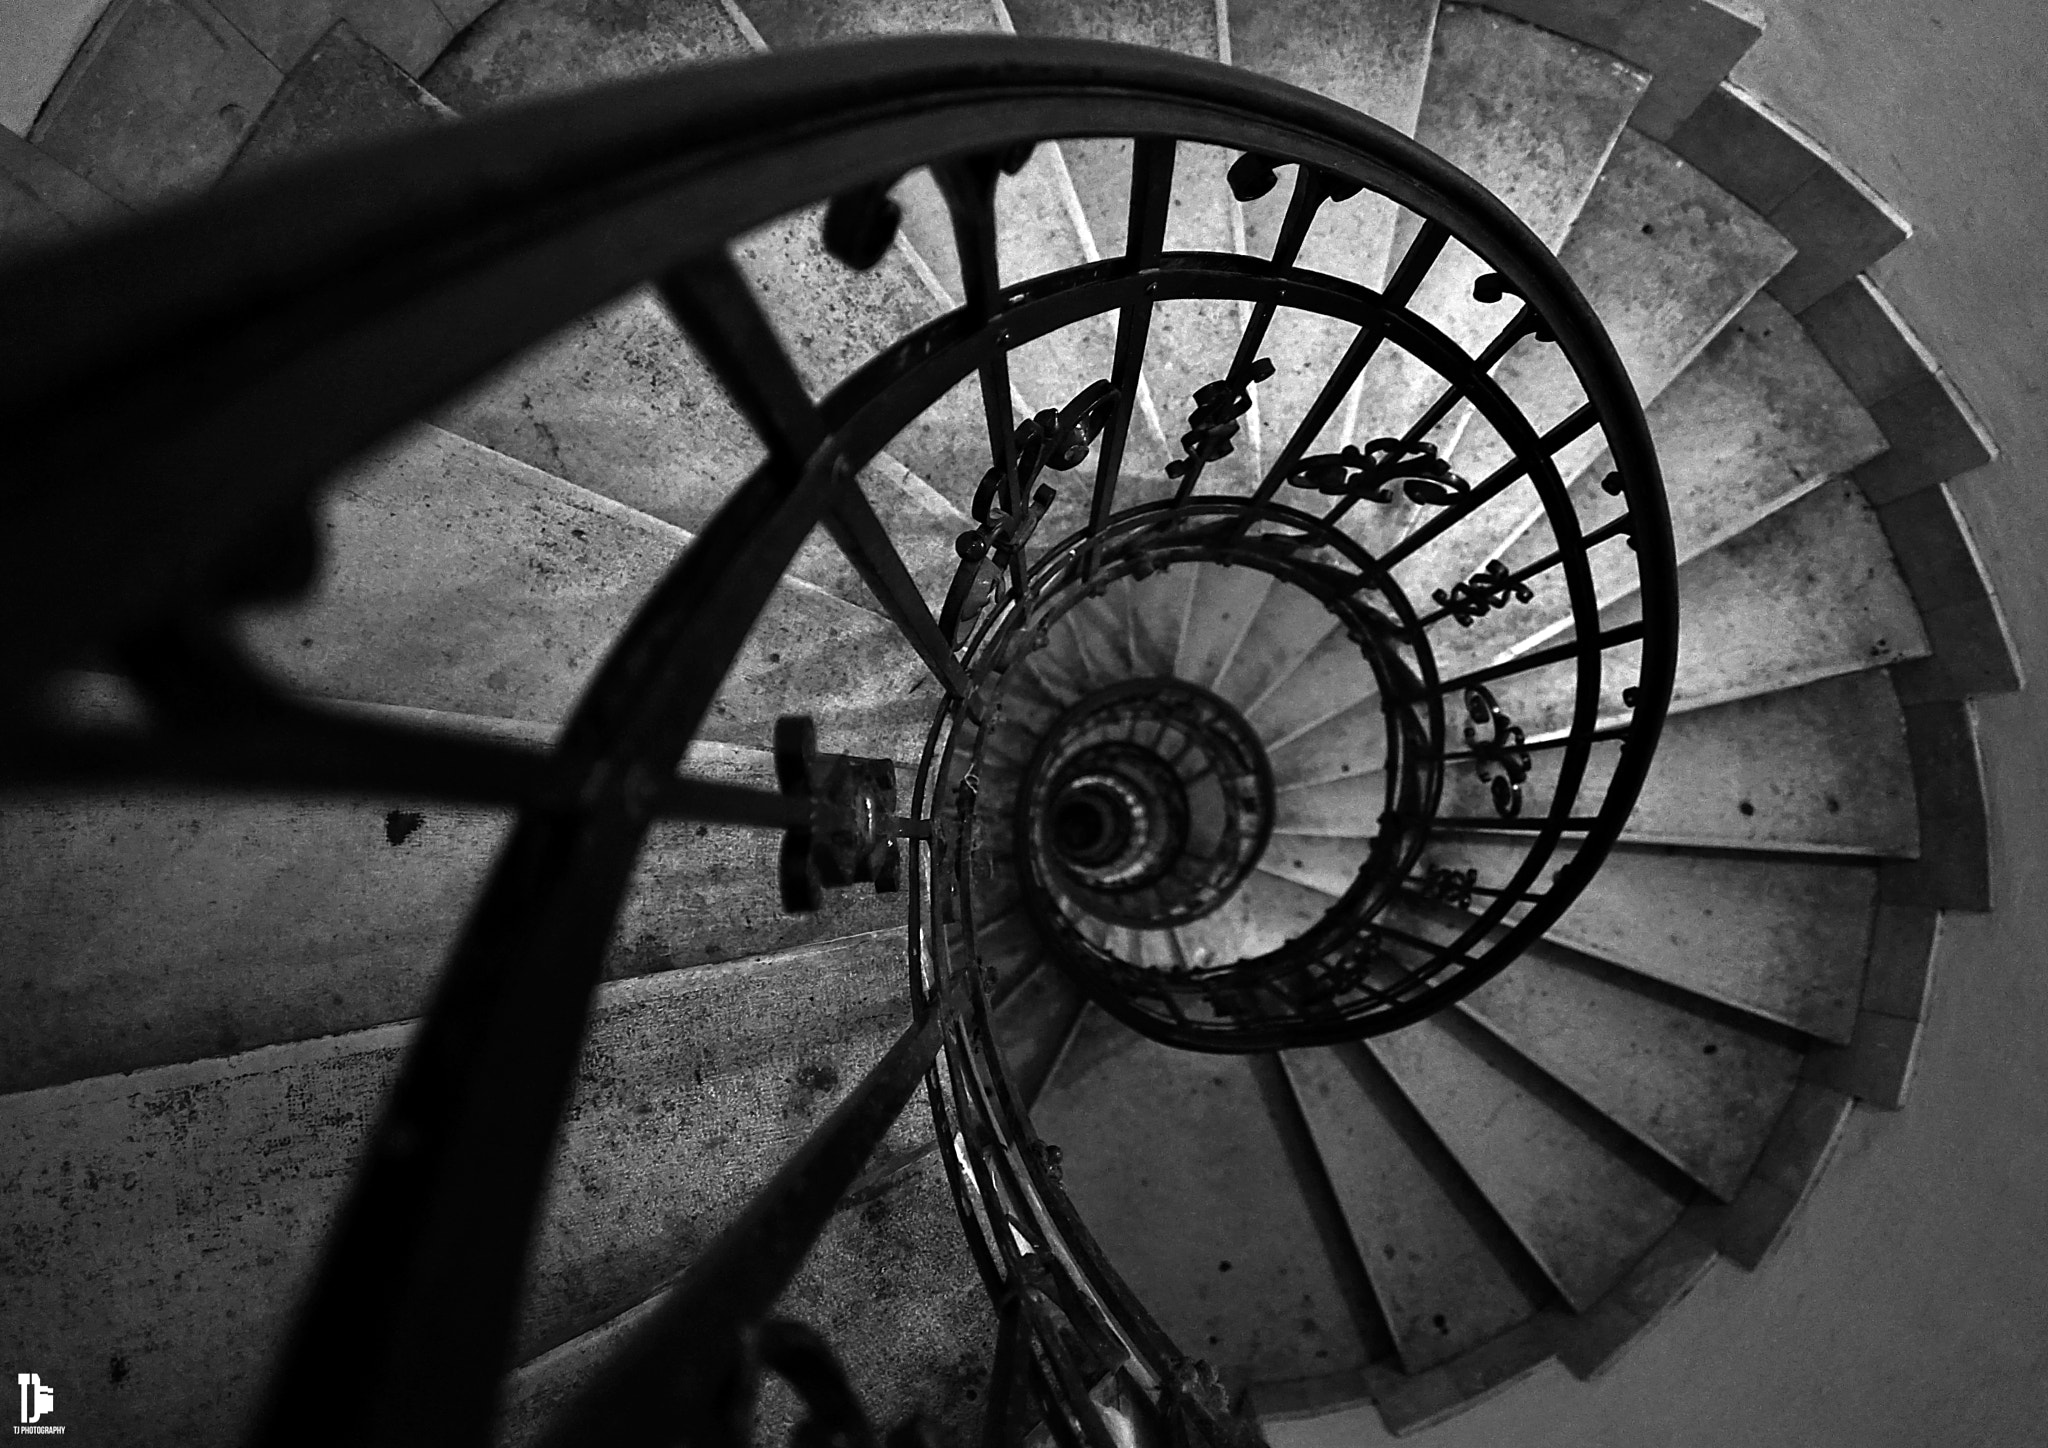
x=1449, y=886
x=1493, y=286
x=1370, y=474
x=1253, y=175
x=1214, y=421
x=1058, y=440
x=1490, y=588
x=1503, y=752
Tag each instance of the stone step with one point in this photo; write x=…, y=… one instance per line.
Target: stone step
x=1349, y=745
x=1700, y=1087
x=1822, y=768
x=1031, y=700
x=890, y=1284
x=1325, y=863
x=1531, y=116
x=1447, y=1274
x=139, y=931
x=167, y=1219
x=1108, y=638
x=1172, y=1159
x=1756, y=423
x=1033, y=1024
x=1348, y=808
x=1782, y=939
x=1102, y=633
x=1264, y=913
x=1007, y=943
x=1666, y=259
x=462, y=580
x=620, y=402
x=1154, y=948
x=1157, y=613
x=1377, y=64
x=1809, y=593
x=1583, y=1200
x=1288, y=626
x=343, y=92
x=1225, y=603
x=1063, y=666
x=1331, y=678
x=1040, y=225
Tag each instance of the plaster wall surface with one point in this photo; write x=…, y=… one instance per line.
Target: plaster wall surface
x=1908, y=1306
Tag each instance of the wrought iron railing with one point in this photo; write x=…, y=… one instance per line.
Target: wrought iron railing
x=176, y=391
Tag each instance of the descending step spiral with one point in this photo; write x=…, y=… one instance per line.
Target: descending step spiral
x=1374, y=949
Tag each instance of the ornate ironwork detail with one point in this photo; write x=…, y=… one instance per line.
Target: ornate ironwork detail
x=1253, y=175
x=1490, y=588
x=1502, y=760
x=1055, y=439
x=850, y=839
x=1449, y=886
x=1214, y=421
x=1349, y=968
x=1049, y=1157
x=1370, y=474
x=860, y=224
x=985, y=553
x=1493, y=286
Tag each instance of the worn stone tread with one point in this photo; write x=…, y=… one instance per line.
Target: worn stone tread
x=1665, y=258
x=1329, y=679
x=1172, y=1160
x=1583, y=1205
x=617, y=402
x=345, y=91
x=1778, y=938
x=157, y=100
x=1157, y=610
x=1225, y=602
x=1350, y=744
x=1809, y=593
x=1758, y=421
x=168, y=1217
x=889, y=1283
x=1373, y=58
x=462, y=580
x=1289, y=625
x=1447, y=1275
x=1032, y=1024
x=1694, y=1085
x=1819, y=768
x=1531, y=116
x=1687, y=46
x=230, y=924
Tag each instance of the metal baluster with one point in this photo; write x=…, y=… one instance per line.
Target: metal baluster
x=1151, y=191
x=1421, y=255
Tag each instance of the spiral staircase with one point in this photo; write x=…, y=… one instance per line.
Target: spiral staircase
x=1358, y=939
